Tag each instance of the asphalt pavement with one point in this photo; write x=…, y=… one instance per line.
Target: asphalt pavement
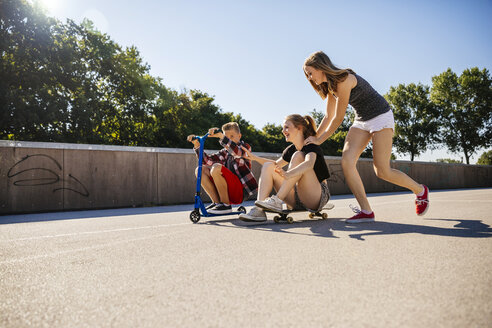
x=152, y=267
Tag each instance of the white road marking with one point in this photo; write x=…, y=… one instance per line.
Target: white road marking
x=94, y=232
x=55, y=254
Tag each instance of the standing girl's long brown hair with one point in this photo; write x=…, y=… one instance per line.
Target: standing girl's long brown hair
x=306, y=122
x=320, y=61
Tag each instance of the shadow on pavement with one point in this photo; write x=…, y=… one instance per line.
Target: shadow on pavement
x=326, y=228
x=72, y=215
x=464, y=229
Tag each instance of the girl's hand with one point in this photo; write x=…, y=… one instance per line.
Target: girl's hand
x=280, y=171
x=247, y=154
x=283, y=173
x=312, y=140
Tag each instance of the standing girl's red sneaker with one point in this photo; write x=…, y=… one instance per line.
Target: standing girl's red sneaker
x=422, y=202
x=360, y=216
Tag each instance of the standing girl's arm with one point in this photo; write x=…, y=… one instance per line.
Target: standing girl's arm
x=331, y=103
x=343, y=94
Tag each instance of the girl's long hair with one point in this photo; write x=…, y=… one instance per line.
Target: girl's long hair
x=320, y=61
x=306, y=122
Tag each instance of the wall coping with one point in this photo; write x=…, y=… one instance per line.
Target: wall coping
x=74, y=146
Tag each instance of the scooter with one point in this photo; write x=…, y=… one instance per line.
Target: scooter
x=195, y=215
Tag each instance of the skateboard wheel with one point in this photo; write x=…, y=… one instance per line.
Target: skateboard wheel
x=324, y=216
x=276, y=219
x=311, y=215
x=290, y=219
x=195, y=216
x=241, y=209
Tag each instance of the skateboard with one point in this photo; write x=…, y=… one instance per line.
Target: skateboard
x=283, y=216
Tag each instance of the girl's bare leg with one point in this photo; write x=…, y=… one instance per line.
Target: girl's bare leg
x=382, y=143
x=355, y=143
x=308, y=186
x=269, y=179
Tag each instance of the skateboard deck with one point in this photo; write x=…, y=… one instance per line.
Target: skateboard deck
x=284, y=214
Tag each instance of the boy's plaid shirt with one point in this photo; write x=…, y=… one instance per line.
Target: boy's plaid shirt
x=230, y=157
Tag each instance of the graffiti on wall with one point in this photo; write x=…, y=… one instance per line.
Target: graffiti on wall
x=27, y=172
x=336, y=173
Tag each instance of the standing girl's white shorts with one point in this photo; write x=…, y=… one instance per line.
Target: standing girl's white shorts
x=377, y=123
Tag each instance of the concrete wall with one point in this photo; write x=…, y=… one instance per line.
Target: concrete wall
x=52, y=176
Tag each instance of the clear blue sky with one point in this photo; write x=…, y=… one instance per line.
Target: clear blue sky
x=249, y=54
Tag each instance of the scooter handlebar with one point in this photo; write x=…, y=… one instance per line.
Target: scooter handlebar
x=202, y=137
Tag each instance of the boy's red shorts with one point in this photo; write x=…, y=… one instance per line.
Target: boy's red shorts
x=234, y=186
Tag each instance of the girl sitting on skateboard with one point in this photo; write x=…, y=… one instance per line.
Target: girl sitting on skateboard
x=302, y=186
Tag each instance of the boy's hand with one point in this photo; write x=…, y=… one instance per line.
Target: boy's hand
x=195, y=142
x=215, y=133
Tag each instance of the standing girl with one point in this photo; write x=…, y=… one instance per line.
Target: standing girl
x=303, y=185
x=373, y=121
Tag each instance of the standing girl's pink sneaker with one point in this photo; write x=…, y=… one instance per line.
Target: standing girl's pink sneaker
x=422, y=202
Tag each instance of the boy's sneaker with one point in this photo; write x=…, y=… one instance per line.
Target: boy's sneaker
x=221, y=209
x=209, y=207
x=256, y=214
x=271, y=203
x=360, y=217
x=422, y=202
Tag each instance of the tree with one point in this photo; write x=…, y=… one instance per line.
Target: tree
x=28, y=103
x=485, y=158
x=68, y=82
x=465, y=104
x=415, y=117
x=272, y=139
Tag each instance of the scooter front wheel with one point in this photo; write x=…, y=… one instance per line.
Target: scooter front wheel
x=195, y=216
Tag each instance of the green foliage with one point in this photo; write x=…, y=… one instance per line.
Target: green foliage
x=68, y=82
x=71, y=83
x=485, y=158
x=465, y=104
x=416, y=119
x=448, y=160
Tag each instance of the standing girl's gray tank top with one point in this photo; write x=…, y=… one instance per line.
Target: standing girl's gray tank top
x=366, y=101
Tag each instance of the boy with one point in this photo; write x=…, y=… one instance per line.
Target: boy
x=226, y=173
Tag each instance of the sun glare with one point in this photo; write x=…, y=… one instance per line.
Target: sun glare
x=50, y=5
